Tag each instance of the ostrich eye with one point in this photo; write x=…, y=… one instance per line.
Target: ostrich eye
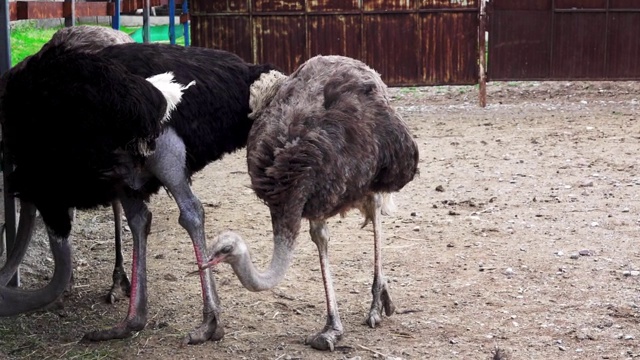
x=227, y=249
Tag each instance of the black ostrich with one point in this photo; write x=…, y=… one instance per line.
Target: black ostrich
x=84, y=130
x=86, y=38
x=325, y=140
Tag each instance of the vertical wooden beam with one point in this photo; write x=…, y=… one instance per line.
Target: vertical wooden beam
x=482, y=54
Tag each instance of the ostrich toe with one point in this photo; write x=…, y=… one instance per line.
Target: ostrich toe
x=121, y=287
x=208, y=330
x=325, y=339
x=120, y=331
x=381, y=300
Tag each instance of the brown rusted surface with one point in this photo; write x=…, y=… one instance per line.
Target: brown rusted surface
x=519, y=39
x=624, y=4
x=521, y=5
x=13, y=11
x=133, y=5
x=623, y=41
x=39, y=10
x=225, y=6
x=388, y=5
x=450, y=59
x=23, y=10
x=578, y=50
x=279, y=40
x=89, y=9
x=564, y=40
x=231, y=33
x=333, y=5
x=282, y=5
x=334, y=35
x=580, y=4
x=410, y=42
x=390, y=56
x=448, y=4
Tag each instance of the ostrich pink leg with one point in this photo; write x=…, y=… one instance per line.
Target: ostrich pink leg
x=121, y=286
x=333, y=330
x=139, y=218
x=381, y=297
x=169, y=169
x=192, y=219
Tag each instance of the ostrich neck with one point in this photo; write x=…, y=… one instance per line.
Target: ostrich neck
x=254, y=280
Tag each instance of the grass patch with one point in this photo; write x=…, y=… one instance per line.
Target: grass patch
x=27, y=39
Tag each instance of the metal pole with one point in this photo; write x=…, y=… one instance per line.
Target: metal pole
x=482, y=54
x=185, y=10
x=115, y=19
x=5, y=37
x=145, y=21
x=172, y=21
x=71, y=19
x=7, y=165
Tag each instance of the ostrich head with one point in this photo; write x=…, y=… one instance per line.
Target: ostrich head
x=228, y=248
x=231, y=249
x=263, y=90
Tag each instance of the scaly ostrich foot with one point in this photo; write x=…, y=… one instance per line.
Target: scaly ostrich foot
x=120, y=331
x=325, y=339
x=121, y=287
x=382, y=300
x=208, y=330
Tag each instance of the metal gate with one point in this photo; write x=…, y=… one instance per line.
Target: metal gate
x=410, y=42
x=564, y=40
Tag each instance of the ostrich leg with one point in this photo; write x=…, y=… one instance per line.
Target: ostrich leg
x=333, y=330
x=167, y=164
x=381, y=297
x=24, y=233
x=121, y=286
x=139, y=218
x=16, y=301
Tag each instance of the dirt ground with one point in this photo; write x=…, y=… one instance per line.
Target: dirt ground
x=519, y=235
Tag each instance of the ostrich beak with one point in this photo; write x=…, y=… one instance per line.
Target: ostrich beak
x=211, y=263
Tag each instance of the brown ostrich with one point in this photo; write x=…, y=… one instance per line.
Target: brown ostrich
x=325, y=140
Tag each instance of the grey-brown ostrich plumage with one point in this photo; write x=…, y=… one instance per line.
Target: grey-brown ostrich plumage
x=325, y=140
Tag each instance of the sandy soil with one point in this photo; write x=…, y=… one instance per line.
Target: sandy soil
x=519, y=235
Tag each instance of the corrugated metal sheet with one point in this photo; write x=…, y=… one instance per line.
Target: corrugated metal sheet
x=519, y=52
x=564, y=39
x=396, y=62
x=623, y=41
x=410, y=42
x=447, y=59
x=579, y=45
x=279, y=40
x=231, y=33
x=334, y=34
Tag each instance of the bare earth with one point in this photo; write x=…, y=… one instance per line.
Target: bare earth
x=519, y=234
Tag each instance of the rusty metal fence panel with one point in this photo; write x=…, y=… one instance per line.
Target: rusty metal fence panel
x=410, y=42
x=564, y=40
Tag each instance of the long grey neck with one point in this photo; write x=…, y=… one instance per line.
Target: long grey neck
x=254, y=280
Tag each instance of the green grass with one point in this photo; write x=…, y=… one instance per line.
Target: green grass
x=28, y=39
